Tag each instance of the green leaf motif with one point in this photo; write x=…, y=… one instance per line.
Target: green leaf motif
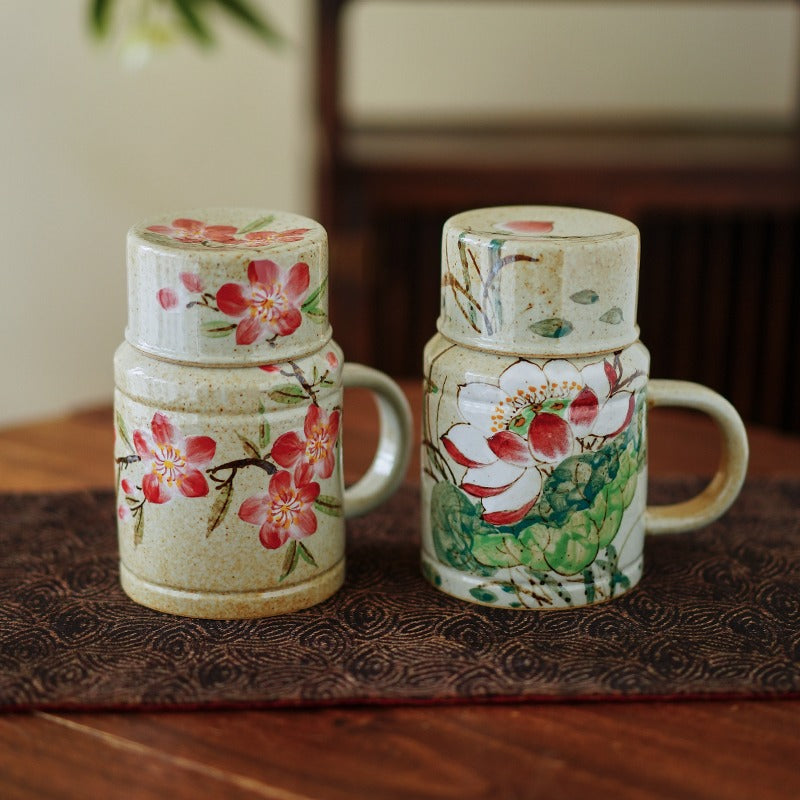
x=138, y=527
x=497, y=550
x=122, y=430
x=328, y=504
x=257, y=224
x=613, y=316
x=249, y=447
x=264, y=432
x=483, y=595
x=317, y=314
x=310, y=304
x=290, y=560
x=553, y=328
x=454, y=522
x=306, y=554
x=288, y=394
x=585, y=297
x=218, y=328
x=222, y=502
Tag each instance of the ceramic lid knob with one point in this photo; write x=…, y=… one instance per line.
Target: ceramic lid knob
x=539, y=280
x=228, y=286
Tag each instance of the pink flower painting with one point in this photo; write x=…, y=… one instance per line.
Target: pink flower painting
x=517, y=430
x=285, y=512
x=263, y=238
x=312, y=453
x=267, y=306
x=192, y=231
x=173, y=463
x=531, y=227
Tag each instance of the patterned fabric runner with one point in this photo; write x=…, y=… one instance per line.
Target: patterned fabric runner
x=717, y=615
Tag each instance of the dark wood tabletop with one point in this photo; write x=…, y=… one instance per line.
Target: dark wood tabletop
x=667, y=749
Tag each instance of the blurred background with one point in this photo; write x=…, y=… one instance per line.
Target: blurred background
x=383, y=117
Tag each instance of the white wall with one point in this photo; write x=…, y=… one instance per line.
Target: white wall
x=414, y=59
x=87, y=148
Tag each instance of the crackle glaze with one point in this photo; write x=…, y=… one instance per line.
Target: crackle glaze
x=228, y=415
x=534, y=468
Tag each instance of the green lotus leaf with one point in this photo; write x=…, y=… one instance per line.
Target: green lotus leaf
x=454, y=524
x=573, y=546
x=497, y=550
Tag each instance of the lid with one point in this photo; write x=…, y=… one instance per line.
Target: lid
x=228, y=286
x=539, y=280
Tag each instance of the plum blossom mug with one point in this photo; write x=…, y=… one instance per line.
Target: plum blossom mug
x=534, y=468
x=228, y=418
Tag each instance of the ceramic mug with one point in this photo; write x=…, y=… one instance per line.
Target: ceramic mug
x=535, y=406
x=228, y=416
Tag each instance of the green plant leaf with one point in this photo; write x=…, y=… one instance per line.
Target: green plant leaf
x=328, y=504
x=288, y=393
x=257, y=224
x=217, y=328
x=250, y=18
x=122, y=430
x=553, y=328
x=187, y=9
x=99, y=17
x=222, y=502
x=585, y=297
x=613, y=316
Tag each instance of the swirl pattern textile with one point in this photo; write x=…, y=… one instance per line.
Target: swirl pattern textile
x=717, y=614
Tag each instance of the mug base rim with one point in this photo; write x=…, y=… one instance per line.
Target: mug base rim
x=232, y=605
x=555, y=596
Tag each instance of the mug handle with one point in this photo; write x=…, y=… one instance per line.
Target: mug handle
x=724, y=487
x=389, y=465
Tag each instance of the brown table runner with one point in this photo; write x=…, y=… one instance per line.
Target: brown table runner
x=717, y=615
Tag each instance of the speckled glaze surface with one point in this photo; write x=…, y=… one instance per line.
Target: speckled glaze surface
x=228, y=457
x=228, y=286
x=534, y=454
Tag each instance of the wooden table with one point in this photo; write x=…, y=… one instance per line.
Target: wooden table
x=719, y=749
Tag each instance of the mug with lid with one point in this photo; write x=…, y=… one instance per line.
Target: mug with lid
x=534, y=454
x=228, y=418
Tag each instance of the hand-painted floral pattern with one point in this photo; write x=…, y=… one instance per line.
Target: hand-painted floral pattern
x=517, y=430
x=285, y=512
x=193, y=231
x=173, y=462
x=263, y=238
x=171, y=299
x=311, y=454
x=295, y=462
x=525, y=226
x=269, y=306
